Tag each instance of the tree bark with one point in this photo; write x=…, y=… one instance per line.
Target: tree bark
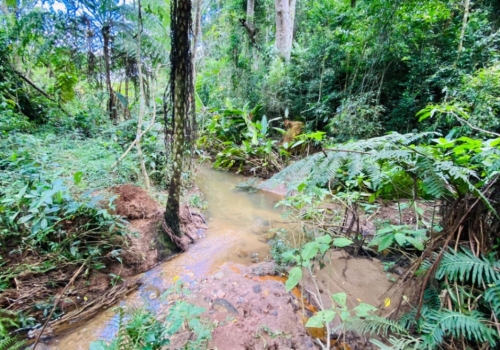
x=464, y=26
x=106, y=33
x=196, y=34
x=285, y=18
x=180, y=87
x=142, y=102
x=251, y=13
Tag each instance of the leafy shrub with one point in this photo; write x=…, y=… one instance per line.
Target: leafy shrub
x=38, y=213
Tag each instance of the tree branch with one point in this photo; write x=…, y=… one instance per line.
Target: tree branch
x=345, y=150
x=138, y=138
x=43, y=93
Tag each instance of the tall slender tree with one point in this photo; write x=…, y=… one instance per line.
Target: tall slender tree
x=285, y=19
x=181, y=88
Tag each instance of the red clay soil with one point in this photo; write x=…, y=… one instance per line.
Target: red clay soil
x=135, y=203
x=251, y=312
x=254, y=311
x=139, y=254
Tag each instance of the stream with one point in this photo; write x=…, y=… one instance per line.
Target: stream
x=238, y=222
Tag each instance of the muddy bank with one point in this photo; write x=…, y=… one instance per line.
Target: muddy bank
x=250, y=308
x=221, y=273
x=82, y=290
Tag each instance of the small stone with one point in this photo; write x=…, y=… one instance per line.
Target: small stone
x=257, y=289
x=221, y=294
x=274, y=313
x=219, y=275
x=399, y=271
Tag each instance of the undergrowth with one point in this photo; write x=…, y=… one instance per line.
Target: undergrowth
x=139, y=328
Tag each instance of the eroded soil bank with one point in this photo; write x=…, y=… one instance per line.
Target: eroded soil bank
x=92, y=290
x=228, y=275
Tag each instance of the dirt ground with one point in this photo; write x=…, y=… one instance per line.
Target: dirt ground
x=252, y=310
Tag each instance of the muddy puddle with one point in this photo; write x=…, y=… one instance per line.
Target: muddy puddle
x=238, y=226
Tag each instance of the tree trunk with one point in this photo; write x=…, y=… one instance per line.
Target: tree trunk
x=464, y=26
x=106, y=33
x=142, y=102
x=285, y=18
x=251, y=13
x=180, y=89
x=196, y=33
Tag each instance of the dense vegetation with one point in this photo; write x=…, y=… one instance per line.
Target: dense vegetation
x=370, y=102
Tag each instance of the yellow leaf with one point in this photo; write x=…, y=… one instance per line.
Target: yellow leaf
x=387, y=302
x=359, y=300
x=176, y=278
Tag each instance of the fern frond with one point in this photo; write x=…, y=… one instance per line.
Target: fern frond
x=464, y=266
x=10, y=343
x=431, y=298
x=402, y=343
x=442, y=323
x=376, y=325
x=492, y=296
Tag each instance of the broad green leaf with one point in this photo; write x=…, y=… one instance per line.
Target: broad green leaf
x=342, y=242
x=310, y=250
x=385, y=242
x=400, y=238
x=340, y=298
x=385, y=230
x=264, y=125
x=77, y=177
x=25, y=219
x=363, y=309
x=293, y=278
x=321, y=318
x=326, y=239
x=323, y=248
x=290, y=255
x=416, y=243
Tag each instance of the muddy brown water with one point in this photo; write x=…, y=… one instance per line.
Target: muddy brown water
x=238, y=224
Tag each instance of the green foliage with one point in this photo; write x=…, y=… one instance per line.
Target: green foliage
x=492, y=296
x=339, y=309
x=238, y=139
x=386, y=166
x=442, y=323
x=465, y=267
x=141, y=329
x=9, y=343
x=306, y=256
x=400, y=234
x=357, y=117
x=9, y=321
x=464, y=279
x=42, y=218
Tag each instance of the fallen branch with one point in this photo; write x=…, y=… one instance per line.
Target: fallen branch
x=43, y=93
x=345, y=150
x=138, y=138
x=57, y=303
x=476, y=128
